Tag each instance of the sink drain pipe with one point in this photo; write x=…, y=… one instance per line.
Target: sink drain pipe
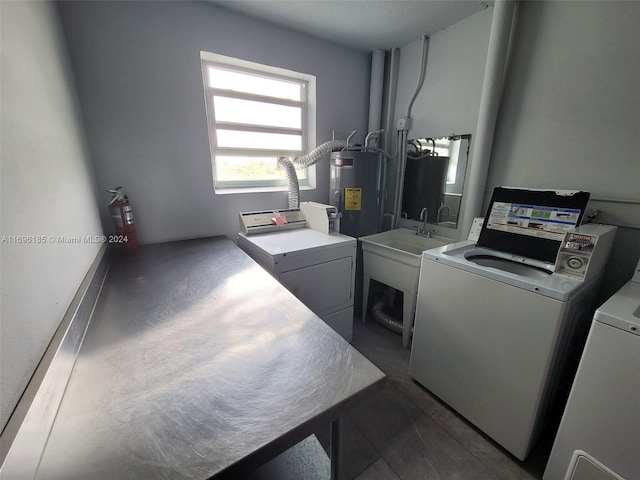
x=379, y=315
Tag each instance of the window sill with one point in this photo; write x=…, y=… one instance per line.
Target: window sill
x=240, y=190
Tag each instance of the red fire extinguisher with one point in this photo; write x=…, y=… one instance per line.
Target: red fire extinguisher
x=122, y=215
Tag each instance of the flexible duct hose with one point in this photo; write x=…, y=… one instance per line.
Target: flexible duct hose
x=293, y=194
x=386, y=320
x=311, y=158
x=315, y=155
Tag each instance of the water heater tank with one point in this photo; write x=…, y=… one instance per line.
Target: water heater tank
x=354, y=188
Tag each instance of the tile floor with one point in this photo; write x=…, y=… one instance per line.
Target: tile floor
x=405, y=433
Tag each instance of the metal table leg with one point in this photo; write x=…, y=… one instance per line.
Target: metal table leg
x=334, y=449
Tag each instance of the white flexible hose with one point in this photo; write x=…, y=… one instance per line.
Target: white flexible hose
x=293, y=193
x=314, y=156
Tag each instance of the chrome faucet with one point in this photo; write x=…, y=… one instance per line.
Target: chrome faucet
x=442, y=208
x=424, y=231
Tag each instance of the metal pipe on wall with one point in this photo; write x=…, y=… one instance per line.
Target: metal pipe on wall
x=392, y=88
x=375, y=90
x=401, y=164
x=423, y=71
x=403, y=133
x=492, y=84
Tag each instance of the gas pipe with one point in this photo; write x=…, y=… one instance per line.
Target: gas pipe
x=122, y=216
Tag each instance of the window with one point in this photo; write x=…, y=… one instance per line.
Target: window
x=256, y=114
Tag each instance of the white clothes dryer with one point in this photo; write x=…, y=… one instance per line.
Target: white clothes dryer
x=316, y=267
x=599, y=434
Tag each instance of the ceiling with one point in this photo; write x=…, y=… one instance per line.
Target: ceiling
x=362, y=24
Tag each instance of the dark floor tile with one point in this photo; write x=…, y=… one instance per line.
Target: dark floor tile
x=378, y=471
x=377, y=334
x=426, y=451
x=389, y=363
x=356, y=452
x=388, y=421
x=494, y=457
x=383, y=348
x=420, y=397
x=372, y=334
x=384, y=416
x=305, y=460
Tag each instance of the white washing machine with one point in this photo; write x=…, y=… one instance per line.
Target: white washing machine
x=599, y=435
x=495, y=330
x=317, y=267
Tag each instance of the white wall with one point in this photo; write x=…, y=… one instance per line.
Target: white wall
x=47, y=190
x=139, y=79
x=570, y=115
x=570, y=112
x=450, y=96
x=571, y=109
x=449, y=100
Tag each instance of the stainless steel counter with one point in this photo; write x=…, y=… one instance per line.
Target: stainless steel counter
x=197, y=362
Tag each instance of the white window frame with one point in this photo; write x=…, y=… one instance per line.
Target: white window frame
x=308, y=128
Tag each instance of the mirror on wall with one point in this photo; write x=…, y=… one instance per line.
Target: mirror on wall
x=433, y=179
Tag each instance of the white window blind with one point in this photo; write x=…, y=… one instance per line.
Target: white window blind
x=255, y=114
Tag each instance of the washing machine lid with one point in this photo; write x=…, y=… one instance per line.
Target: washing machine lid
x=531, y=223
x=301, y=241
x=466, y=255
x=622, y=310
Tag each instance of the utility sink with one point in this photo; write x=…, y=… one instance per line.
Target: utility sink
x=393, y=258
x=402, y=245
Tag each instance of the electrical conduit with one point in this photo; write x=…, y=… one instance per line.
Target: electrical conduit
x=403, y=132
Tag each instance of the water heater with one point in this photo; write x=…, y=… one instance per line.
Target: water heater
x=425, y=183
x=354, y=188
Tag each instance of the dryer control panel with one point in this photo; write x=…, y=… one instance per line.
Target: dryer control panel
x=320, y=217
x=585, y=250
